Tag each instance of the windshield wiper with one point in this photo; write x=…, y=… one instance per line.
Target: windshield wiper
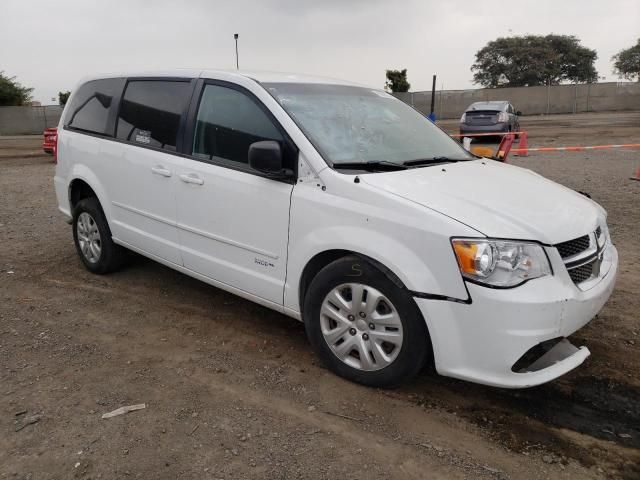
x=421, y=162
x=386, y=166
x=372, y=165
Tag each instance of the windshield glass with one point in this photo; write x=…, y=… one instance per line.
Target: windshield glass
x=487, y=106
x=357, y=125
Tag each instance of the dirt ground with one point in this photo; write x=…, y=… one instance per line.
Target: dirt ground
x=232, y=390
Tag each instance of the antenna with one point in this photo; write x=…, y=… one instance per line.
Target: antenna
x=235, y=36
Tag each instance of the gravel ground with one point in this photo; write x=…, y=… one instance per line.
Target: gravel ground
x=232, y=390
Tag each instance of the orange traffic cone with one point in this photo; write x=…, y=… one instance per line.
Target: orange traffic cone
x=523, y=148
x=637, y=177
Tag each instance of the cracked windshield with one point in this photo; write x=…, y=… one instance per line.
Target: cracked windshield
x=358, y=125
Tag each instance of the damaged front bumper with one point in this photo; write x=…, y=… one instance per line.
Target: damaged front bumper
x=516, y=338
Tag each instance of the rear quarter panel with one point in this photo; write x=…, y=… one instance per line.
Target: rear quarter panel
x=79, y=158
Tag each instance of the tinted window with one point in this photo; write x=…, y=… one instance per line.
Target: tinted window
x=488, y=106
x=91, y=104
x=150, y=112
x=228, y=122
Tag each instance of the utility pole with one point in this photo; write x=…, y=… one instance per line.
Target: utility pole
x=235, y=36
x=432, y=114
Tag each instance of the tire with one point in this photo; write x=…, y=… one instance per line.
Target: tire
x=92, y=237
x=340, y=335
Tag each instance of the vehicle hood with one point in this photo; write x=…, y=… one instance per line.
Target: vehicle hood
x=496, y=199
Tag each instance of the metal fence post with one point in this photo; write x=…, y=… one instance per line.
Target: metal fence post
x=548, y=96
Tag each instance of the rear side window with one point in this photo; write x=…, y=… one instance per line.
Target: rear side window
x=91, y=105
x=228, y=122
x=150, y=112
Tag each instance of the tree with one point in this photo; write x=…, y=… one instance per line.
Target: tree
x=63, y=97
x=397, y=81
x=12, y=93
x=627, y=62
x=534, y=60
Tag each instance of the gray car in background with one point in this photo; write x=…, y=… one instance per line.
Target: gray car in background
x=488, y=117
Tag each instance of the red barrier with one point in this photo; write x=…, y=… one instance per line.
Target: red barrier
x=637, y=177
x=504, y=147
x=494, y=134
x=576, y=149
x=522, y=149
x=50, y=143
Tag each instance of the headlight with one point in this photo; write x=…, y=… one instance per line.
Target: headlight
x=604, y=235
x=500, y=263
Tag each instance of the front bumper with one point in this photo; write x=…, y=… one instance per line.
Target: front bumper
x=482, y=341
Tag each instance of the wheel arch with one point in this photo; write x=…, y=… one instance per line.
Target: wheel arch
x=84, y=183
x=79, y=189
x=324, y=258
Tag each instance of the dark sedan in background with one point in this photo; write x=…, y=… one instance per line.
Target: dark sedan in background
x=488, y=117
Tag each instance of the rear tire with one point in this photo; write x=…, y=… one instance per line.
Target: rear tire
x=92, y=237
x=380, y=341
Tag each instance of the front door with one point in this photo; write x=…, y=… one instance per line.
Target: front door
x=233, y=221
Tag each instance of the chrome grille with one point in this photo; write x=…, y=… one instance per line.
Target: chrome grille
x=581, y=273
x=582, y=256
x=573, y=247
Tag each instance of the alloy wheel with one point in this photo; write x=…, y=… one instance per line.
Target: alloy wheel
x=89, y=237
x=361, y=326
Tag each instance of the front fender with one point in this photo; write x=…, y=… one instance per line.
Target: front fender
x=412, y=241
x=415, y=272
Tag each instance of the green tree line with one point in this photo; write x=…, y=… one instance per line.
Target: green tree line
x=532, y=60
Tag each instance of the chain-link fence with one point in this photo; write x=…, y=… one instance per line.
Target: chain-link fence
x=28, y=120
x=594, y=97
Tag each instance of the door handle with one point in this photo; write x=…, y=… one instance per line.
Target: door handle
x=160, y=170
x=192, y=178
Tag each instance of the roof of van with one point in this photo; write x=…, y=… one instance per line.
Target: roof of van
x=259, y=76
x=281, y=77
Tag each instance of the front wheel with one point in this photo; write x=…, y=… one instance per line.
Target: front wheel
x=363, y=326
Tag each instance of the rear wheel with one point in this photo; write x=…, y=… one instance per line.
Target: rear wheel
x=363, y=326
x=92, y=238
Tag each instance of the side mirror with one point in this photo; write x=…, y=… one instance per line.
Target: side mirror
x=266, y=156
x=518, y=113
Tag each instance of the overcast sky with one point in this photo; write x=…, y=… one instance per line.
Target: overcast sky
x=49, y=45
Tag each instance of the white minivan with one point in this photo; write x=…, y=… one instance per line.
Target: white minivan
x=343, y=207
